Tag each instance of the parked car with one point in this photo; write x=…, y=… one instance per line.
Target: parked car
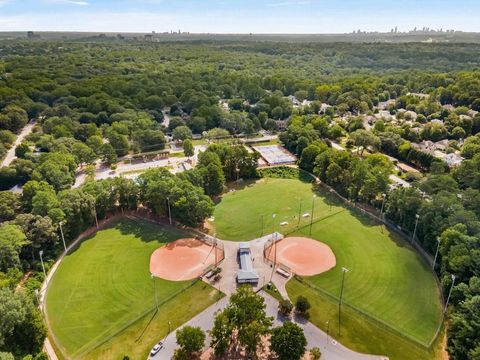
x=156, y=349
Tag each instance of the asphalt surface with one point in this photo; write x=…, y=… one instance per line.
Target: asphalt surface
x=331, y=349
x=11, y=152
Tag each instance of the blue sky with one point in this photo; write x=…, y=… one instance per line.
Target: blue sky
x=238, y=16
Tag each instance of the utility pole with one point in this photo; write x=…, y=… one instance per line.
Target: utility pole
x=415, y=228
x=436, y=254
x=169, y=212
x=43, y=265
x=311, y=217
x=344, y=271
x=299, y=213
x=63, y=237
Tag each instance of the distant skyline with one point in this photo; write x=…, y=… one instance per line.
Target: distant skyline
x=236, y=16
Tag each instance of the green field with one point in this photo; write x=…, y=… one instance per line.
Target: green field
x=387, y=279
x=103, y=289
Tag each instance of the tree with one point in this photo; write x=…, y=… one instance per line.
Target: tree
x=246, y=312
x=191, y=340
x=285, y=307
x=188, y=149
x=302, y=305
x=9, y=205
x=221, y=333
x=12, y=240
x=363, y=139
x=288, y=341
x=109, y=156
x=83, y=154
x=39, y=230
x=44, y=201
x=182, y=133
x=58, y=169
x=315, y=353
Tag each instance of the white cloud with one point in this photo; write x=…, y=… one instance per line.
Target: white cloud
x=68, y=2
x=5, y=2
x=289, y=3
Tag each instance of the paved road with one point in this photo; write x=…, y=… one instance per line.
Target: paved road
x=315, y=337
x=177, y=164
x=11, y=152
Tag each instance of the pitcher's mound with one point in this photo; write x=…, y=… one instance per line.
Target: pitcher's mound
x=303, y=256
x=183, y=259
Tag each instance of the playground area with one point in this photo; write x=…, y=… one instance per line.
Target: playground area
x=303, y=256
x=184, y=259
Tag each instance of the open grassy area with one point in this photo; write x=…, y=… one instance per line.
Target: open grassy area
x=387, y=279
x=240, y=214
x=359, y=333
x=104, y=286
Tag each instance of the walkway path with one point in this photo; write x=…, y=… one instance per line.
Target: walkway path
x=11, y=152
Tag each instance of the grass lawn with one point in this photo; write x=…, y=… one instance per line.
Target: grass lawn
x=359, y=333
x=387, y=279
x=105, y=285
x=239, y=214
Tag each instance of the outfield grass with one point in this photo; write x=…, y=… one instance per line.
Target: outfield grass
x=105, y=285
x=359, y=333
x=387, y=279
x=239, y=214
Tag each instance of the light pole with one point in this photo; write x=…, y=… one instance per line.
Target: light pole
x=311, y=217
x=299, y=213
x=63, y=237
x=43, y=265
x=169, y=212
x=94, y=208
x=384, y=196
x=344, y=271
x=262, y=224
x=328, y=328
x=415, y=228
x=154, y=290
x=449, y=294
x=274, y=236
x=436, y=254
x=215, y=247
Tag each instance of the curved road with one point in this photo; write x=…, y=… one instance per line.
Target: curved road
x=11, y=152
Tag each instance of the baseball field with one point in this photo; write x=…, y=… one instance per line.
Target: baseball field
x=389, y=291
x=101, y=301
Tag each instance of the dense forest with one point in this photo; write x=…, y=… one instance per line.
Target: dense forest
x=105, y=100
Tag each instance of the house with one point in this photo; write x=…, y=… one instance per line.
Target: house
x=323, y=108
x=294, y=100
x=281, y=124
x=453, y=159
x=246, y=274
x=384, y=114
x=385, y=104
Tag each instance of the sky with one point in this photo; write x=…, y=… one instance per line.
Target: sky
x=238, y=16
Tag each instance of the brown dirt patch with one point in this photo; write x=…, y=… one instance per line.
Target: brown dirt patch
x=183, y=259
x=303, y=256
